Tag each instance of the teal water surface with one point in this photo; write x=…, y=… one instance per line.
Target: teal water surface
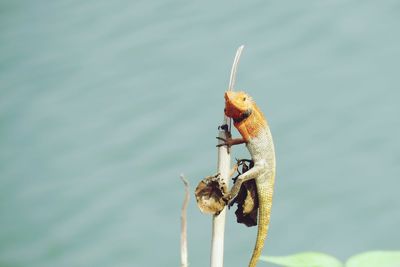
x=104, y=103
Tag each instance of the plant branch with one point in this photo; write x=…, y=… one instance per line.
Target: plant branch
x=224, y=161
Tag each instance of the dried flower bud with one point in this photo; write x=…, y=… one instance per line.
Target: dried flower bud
x=209, y=195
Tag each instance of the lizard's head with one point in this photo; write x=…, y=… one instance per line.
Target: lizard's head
x=238, y=105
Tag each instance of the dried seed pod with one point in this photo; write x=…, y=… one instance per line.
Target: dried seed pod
x=209, y=193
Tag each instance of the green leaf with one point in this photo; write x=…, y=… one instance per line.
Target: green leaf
x=375, y=259
x=304, y=259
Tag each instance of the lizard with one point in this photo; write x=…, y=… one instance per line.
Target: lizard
x=255, y=133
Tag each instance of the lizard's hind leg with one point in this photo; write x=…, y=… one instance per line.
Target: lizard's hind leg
x=252, y=173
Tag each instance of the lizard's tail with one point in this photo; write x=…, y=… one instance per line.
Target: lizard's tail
x=265, y=191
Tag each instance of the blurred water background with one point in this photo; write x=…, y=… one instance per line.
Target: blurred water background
x=104, y=103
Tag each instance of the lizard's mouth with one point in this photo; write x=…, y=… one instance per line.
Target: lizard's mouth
x=230, y=109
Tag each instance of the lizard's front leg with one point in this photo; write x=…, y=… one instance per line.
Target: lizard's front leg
x=231, y=141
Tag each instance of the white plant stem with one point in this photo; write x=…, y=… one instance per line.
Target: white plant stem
x=224, y=163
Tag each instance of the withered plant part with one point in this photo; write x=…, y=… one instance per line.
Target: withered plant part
x=247, y=198
x=209, y=194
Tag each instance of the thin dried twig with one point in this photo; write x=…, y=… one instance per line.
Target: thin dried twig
x=184, y=251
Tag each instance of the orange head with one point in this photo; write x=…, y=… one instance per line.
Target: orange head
x=238, y=105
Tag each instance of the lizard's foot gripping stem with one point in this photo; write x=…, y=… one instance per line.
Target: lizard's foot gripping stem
x=233, y=193
x=230, y=141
